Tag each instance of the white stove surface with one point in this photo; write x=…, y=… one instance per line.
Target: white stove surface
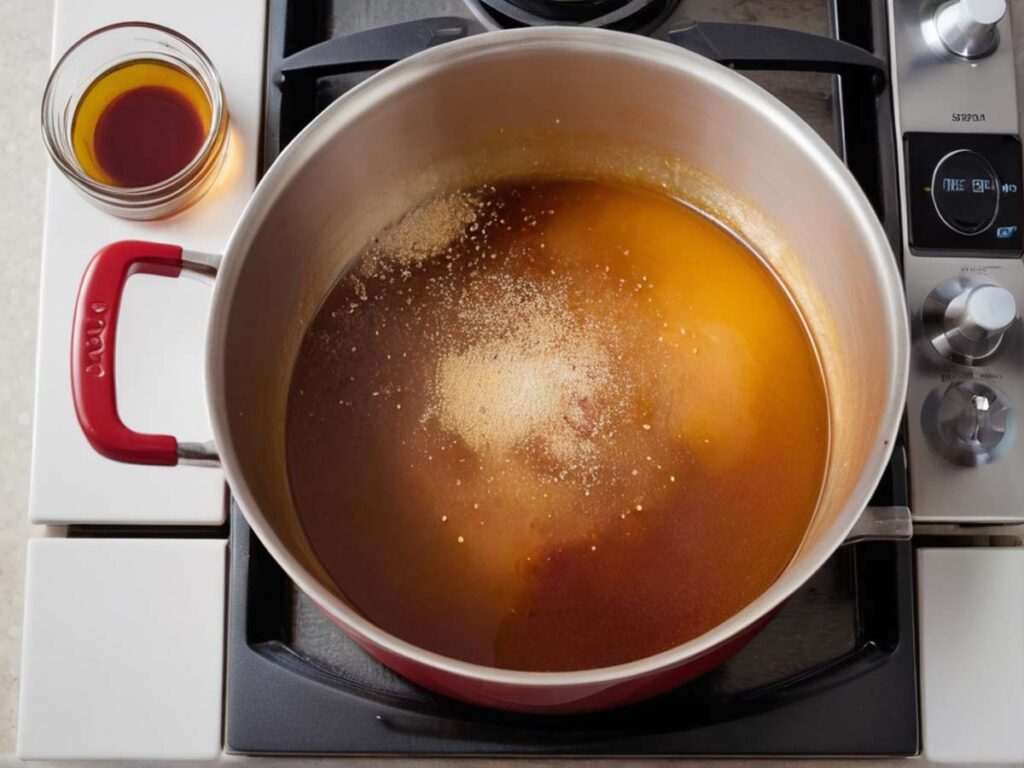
x=124, y=638
x=161, y=335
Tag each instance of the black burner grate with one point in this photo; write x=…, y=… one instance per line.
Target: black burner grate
x=624, y=15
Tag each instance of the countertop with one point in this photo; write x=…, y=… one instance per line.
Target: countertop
x=25, y=30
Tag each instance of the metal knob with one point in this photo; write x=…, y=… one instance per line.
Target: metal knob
x=974, y=420
x=967, y=318
x=969, y=423
x=967, y=28
x=983, y=312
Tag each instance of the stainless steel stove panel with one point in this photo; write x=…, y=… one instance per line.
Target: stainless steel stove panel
x=941, y=490
x=937, y=92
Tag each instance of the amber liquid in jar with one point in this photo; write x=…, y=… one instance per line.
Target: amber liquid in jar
x=556, y=425
x=140, y=123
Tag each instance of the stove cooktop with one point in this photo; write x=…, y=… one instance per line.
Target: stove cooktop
x=833, y=674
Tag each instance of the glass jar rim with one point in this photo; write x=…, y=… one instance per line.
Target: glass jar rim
x=183, y=179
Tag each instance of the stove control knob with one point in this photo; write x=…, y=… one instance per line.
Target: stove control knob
x=969, y=423
x=967, y=318
x=967, y=28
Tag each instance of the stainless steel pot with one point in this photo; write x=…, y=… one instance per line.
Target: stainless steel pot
x=553, y=101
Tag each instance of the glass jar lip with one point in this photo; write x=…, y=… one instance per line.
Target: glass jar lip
x=209, y=80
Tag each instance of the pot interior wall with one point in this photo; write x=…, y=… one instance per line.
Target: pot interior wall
x=511, y=108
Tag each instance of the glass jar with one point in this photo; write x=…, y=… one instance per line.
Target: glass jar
x=92, y=59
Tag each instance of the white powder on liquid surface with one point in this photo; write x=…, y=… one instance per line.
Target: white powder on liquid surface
x=530, y=373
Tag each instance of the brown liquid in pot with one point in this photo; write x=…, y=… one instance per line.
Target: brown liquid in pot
x=556, y=425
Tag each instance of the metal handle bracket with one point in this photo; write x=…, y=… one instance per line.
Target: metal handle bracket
x=882, y=524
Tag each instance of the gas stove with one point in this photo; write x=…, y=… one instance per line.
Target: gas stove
x=845, y=643
x=920, y=103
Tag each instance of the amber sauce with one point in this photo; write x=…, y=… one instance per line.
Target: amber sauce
x=556, y=425
x=139, y=124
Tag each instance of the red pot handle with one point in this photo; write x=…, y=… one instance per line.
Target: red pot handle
x=92, y=350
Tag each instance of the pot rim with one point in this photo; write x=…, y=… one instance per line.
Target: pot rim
x=422, y=66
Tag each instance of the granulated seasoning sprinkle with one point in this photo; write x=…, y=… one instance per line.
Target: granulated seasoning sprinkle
x=528, y=372
x=422, y=234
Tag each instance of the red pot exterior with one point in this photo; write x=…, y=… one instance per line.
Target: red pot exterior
x=557, y=699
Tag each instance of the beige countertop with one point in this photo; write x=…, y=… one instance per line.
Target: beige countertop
x=25, y=28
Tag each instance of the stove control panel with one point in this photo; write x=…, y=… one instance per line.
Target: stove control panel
x=964, y=193
x=962, y=189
